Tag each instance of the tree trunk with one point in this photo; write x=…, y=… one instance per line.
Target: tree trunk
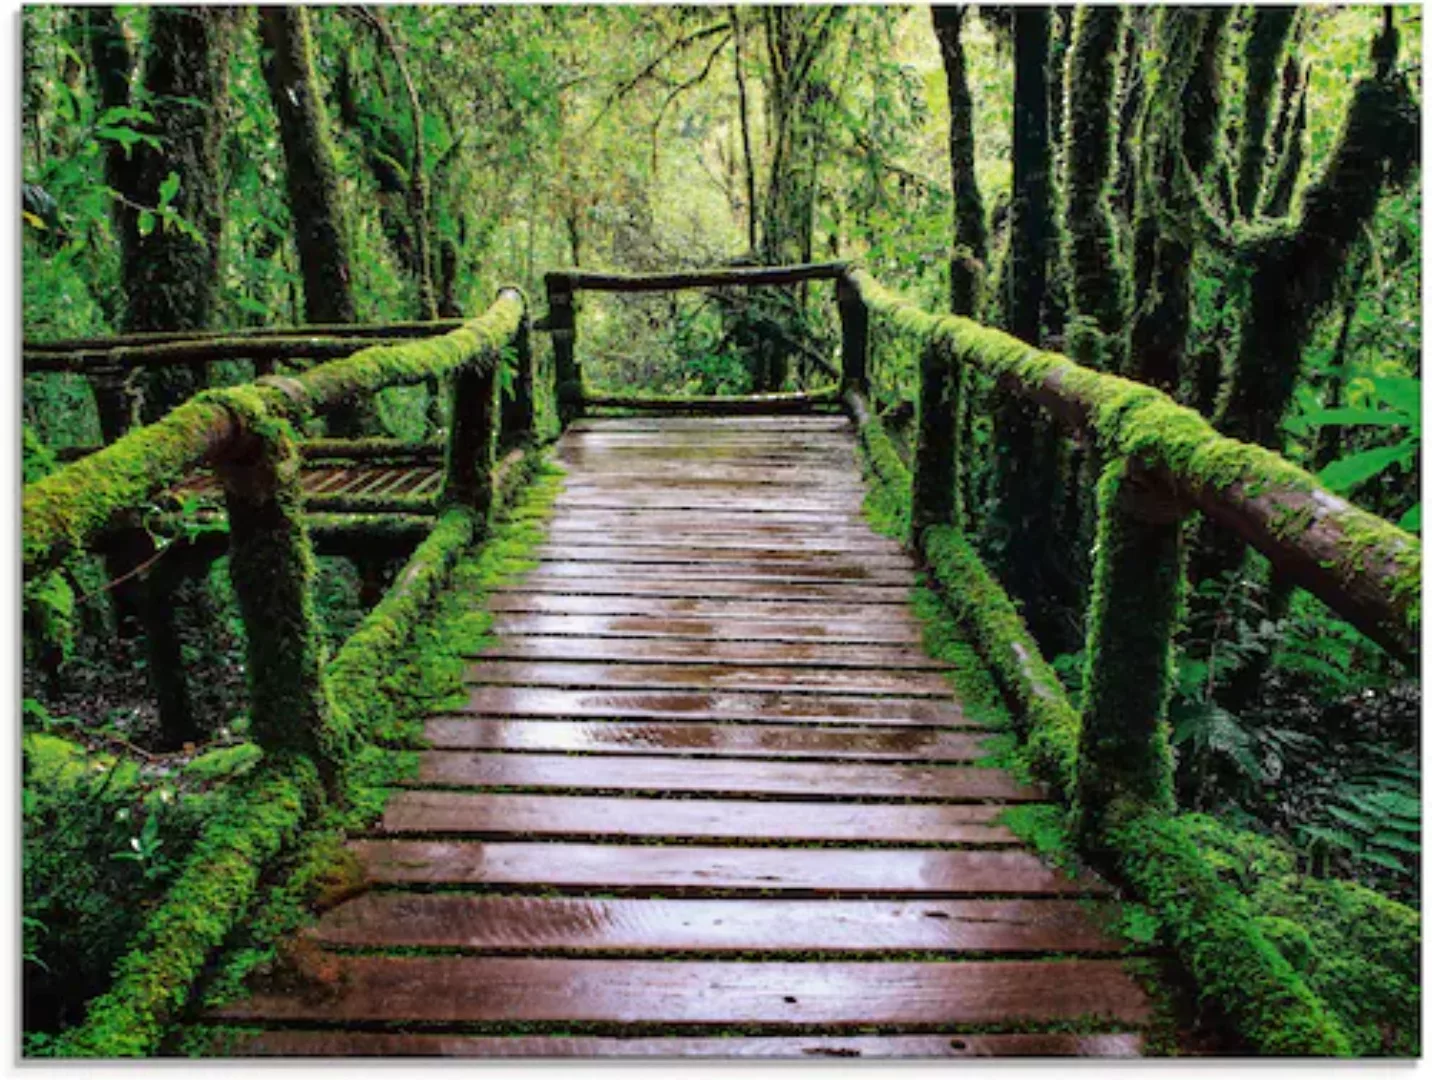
x=1097, y=284
x=1261, y=53
x=967, y=260
x=313, y=195
x=170, y=276
x=1178, y=134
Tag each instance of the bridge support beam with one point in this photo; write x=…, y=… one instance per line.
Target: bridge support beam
x=562, y=322
x=468, y=480
x=518, y=414
x=934, y=495
x=1125, y=763
x=272, y=567
x=854, y=336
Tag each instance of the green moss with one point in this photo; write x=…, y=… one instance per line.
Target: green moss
x=153, y=981
x=1047, y=722
x=68, y=507
x=1355, y=948
x=1222, y=942
x=223, y=763
x=1125, y=761
x=1136, y=421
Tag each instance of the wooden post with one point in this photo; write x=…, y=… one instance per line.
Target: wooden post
x=272, y=567
x=473, y=429
x=934, y=498
x=854, y=336
x=519, y=417
x=1125, y=764
x=562, y=323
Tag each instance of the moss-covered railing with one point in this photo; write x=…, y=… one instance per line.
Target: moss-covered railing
x=307, y=715
x=1111, y=762
x=573, y=398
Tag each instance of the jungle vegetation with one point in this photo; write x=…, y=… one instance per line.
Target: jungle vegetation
x=1222, y=202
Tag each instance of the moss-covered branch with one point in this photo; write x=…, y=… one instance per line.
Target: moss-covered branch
x=1221, y=942
x=1364, y=568
x=376, y=331
x=153, y=980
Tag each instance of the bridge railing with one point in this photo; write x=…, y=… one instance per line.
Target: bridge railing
x=1111, y=761
x=573, y=396
x=247, y=434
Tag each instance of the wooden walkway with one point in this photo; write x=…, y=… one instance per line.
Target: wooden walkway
x=708, y=797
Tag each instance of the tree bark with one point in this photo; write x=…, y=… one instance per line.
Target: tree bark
x=967, y=260
x=1178, y=132
x=1261, y=53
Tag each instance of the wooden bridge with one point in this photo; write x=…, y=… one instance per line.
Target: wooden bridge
x=709, y=794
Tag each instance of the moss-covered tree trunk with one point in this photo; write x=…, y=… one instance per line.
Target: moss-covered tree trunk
x=967, y=260
x=1293, y=268
x=1097, y=284
x=1287, y=144
x=171, y=275
x=1178, y=132
x=313, y=196
x=1262, y=53
x=1024, y=459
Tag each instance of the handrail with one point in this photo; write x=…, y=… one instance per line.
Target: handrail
x=714, y=277
x=68, y=508
x=398, y=330
x=563, y=285
x=1364, y=568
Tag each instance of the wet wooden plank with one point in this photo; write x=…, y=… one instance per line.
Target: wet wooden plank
x=558, y=573
x=678, y=537
x=641, y=555
x=666, y=650
x=700, y=607
x=781, y=507
x=777, y=994
x=788, y=680
x=299, y=1043
x=721, y=740
x=804, y=779
x=503, y=816
x=722, y=520
x=755, y=708
x=847, y=631
x=686, y=870
x=745, y=422
x=766, y=592
x=593, y=926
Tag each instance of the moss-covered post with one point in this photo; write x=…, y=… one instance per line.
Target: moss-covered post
x=272, y=567
x=473, y=435
x=519, y=415
x=1125, y=765
x=854, y=337
x=934, y=496
x=562, y=323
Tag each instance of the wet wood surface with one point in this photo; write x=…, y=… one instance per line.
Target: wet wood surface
x=727, y=741
x=706, y=783
x=299, y=1043
x=744, y=821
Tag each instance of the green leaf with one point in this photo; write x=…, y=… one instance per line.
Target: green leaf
x=1402, y=393
x=168, y=189
x=145, y=222
x=1346, y=473
x=1412, y=520
x=1380, y=858
x=1348, y=417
